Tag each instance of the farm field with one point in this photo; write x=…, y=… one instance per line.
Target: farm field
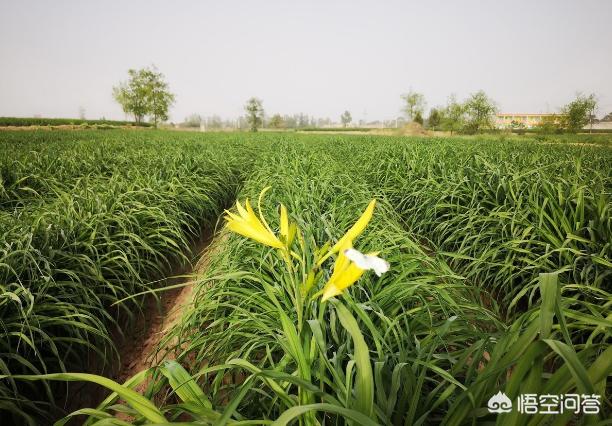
x=500, y=272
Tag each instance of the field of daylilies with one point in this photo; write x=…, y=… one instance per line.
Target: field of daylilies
x=352, y=279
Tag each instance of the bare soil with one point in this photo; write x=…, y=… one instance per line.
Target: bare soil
x=140, y=347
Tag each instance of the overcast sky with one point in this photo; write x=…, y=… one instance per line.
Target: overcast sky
x=316, y=57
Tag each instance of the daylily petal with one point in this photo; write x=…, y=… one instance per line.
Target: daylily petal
x=284, y=222
x=263, y=219
x=249, y=209
x=232, y=216
x=349, y=267
x=330, y=291
x=248, y=231
x=367, y=261
x=342, y=281
x=357, y=228
x=349, y=276
x=243, y=213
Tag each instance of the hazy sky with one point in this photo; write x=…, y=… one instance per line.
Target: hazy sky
x=316, y=57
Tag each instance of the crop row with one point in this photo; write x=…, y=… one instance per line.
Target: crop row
x=439, y=343
x=502, y=213
x=33, y=121
x=88, y=223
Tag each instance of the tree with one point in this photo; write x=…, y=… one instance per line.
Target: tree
x=194, y=120
x=254, y=109
x=579, y=112
x=131, y=95
x=145, y=93
x=453, y=117
x=290, y=121
x=214, y=122
x=418, y=118
x=276, y=122
x=480, y=111
x=160, y=97
x=302, y=120
x=322, y=122
x=346, y=118
x=414, y=104
x=550, y=124
x=434, y=119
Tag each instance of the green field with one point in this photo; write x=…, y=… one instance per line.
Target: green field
x=32, y=121
x=500, y=253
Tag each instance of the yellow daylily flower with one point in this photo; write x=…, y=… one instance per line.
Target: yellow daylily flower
x=349, y=267
x=344, y=275
x=247, y=223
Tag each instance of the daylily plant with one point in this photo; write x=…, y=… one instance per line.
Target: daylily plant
x=350, y=263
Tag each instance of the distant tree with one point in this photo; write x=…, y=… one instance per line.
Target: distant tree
x=132, y=95
x=453, y=117
x=242, y=123
x=322, y=122
x=290, y=121
x=194, y=120
x=434, y=119
x=414, y=103
x=550, y=124
x=254, y=110
x=276, y=122
x=480, y=111
x=418, y=118
x=145, y=93
x=302, y=120
x=160, y=97
x=579, y=112
x=346, y=118
x=214, y=122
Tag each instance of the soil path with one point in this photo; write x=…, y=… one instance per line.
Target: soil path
x=139, y=346
x=140, y=349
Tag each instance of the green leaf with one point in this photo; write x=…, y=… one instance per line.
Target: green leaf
x=548, y=291
x=297, y=411
x=183, y=384
x=138, y=402
x=364, y=384
x=575, y=366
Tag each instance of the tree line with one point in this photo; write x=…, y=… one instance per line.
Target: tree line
x=475, y=114
x=478, y=112
x=147, y=94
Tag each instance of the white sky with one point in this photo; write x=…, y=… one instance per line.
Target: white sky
x=316, y=57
